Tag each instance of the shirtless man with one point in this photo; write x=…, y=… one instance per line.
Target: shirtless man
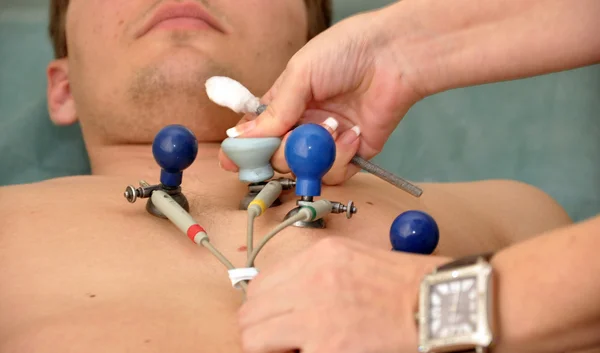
x=83, y=270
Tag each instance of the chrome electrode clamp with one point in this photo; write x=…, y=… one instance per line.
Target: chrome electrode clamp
x=336, y=208
x=142, y=192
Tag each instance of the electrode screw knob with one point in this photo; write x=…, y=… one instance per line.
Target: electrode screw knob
x=349, y=209
x=131, y=193
x=144, y=191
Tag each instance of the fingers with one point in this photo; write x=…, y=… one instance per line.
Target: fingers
x=288, y=100
x=224, y=161
x=278, y=160
x=275, y=335
x=346, y=145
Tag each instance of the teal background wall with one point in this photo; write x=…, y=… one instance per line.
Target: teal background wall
x=544, y=130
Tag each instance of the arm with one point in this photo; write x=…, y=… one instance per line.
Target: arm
x=451, y=44
x=549, y=291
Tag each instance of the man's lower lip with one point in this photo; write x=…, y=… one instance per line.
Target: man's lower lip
x=182, y=23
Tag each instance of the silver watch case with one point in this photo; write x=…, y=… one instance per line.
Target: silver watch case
x=479, y=340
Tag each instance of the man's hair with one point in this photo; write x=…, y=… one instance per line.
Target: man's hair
x=319, y=16
x=319, y=19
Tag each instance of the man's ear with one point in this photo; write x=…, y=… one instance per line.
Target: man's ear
x=61, y=105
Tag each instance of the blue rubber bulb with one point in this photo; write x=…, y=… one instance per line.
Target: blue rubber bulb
x=310, y=153
x=175, y=148
x=414, y=232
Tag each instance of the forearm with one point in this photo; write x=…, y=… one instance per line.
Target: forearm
x=451, y=44
x=549, y=291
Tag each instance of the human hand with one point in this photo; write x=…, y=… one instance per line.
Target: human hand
x=337, y=296
x=350, y=72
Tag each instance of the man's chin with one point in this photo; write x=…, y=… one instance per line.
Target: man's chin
x=180, y=70
x=179, y=60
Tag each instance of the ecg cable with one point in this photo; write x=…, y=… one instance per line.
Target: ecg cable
x=196, y=233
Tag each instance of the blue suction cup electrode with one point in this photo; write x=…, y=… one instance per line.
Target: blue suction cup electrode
x=414, y=232
x=175, y=148
x=310, y=153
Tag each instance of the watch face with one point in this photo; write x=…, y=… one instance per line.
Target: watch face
x=453, y=308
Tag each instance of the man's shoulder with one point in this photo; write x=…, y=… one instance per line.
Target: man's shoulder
x=36, y=191
x=45, y=183
x=517, y=207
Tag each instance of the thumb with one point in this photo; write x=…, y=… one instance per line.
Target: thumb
x=286, y=102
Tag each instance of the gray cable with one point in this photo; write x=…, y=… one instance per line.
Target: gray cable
x=223, y=260
x=271, y=234
x=184, y=221
x=387, y=176
x=217, y=254
x=250, y=233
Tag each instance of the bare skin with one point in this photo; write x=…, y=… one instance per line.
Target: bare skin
x=84, y=270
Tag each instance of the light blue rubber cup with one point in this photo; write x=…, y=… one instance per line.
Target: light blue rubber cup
x=252, y=156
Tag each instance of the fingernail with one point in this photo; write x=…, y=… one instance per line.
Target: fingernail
x=331, y=123
x=241, y=129
x=350, y=136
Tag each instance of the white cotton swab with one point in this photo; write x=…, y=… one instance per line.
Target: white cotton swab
x=231, y=94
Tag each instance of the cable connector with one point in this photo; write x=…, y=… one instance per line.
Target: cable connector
x=265, y=198
x=179, y=216
x=316, y=210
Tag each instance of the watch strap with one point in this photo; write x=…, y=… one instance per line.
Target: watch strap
x=466, y=261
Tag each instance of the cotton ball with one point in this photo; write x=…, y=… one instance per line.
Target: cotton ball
x=229, y=93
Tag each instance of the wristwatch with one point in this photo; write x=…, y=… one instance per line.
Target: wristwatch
x=456, y=312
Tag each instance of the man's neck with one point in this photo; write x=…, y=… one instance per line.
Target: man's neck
x=137, y=161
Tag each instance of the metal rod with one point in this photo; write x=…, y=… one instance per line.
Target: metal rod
x=261, y=109
x=387, y=176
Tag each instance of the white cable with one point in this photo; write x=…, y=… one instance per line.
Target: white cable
x=238, y=275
